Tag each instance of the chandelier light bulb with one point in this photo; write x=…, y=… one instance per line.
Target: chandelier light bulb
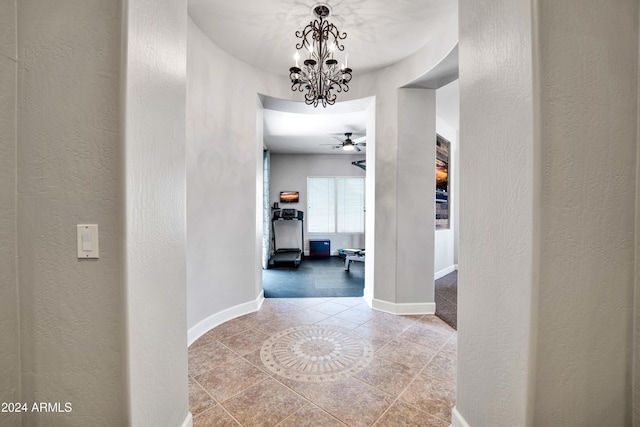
x=296, y=57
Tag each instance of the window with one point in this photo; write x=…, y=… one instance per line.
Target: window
x=335, y=205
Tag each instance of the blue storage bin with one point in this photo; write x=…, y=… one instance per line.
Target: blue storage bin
x=319, y=248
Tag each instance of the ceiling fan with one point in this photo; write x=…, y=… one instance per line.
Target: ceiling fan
x=348, y=144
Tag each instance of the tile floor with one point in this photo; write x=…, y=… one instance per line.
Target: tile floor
x=407, y=378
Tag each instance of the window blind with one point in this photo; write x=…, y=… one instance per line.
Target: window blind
x=335, y=205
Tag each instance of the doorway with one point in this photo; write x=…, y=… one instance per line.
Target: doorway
x=303, y=143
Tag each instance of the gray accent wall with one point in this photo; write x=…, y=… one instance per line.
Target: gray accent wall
x=108, y=335
x=69, y=163
x=9, y=314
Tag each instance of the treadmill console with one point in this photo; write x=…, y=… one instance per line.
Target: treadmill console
x=289, y=213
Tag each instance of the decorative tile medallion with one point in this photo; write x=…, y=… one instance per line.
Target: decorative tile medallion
x=315, y=353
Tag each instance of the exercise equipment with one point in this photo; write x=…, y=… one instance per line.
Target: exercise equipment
x=286, y=255
x=351, y=255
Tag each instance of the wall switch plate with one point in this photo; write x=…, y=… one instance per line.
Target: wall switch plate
x=88, y=241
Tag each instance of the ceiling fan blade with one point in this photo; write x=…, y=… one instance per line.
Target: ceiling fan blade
x=361, y=144
x=355, y=147
x=339, y=139
x=361, y=139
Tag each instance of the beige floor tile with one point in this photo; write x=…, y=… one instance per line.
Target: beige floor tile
x=426, y=335
x=205, y=339
x=230, y=378
x=246, y=341
x=310, y=416
x=350, y=301
x=307, y=302
x=407, y=353
x=432, y=395
x=353, y=402
x=255, y=360
x=264, y=404
x=277, y=325
x=433, y=320
x=330, y=308
x=311, y=316
x=281, y=305
x=401, y=414
x=388, y=376
x=443, y=365
x=389, y=323
x=356, y=315
x=309, y=390
x=307, y=317
x=334, y=321
x=227, y=329
x=215, y=417
x=199, y=399
x=451, y=346
x=206, y=357
x=374, y=336
x=414, y=358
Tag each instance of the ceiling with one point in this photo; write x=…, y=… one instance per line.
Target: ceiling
x=262, y=34
x=294, y=127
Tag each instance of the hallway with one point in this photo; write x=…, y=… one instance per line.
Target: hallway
x=369, y=368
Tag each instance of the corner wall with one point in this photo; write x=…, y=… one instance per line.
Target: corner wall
x=155, y=234
x=497, y=218
x=551, y=344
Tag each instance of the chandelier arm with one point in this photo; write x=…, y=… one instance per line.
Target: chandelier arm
x=319, y=78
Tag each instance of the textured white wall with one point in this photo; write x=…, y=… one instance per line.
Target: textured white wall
x=222, y=175
x=70, y=172
x=384, y=86
x=545, y=315
x=588, y=75
x=290, y=172
x=497, y=189
x=9, y=332
x=155, y=144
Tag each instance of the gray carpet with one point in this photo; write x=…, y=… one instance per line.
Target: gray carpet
x=447, y=299
x=315, y=277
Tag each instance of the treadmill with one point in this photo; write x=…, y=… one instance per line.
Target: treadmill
x=287, y=256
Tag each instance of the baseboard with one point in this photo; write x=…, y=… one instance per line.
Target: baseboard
x=458, y=420
x=404, y=308
x=368, y=296
x=445, y=271
x=188, y=421
x=219, y=318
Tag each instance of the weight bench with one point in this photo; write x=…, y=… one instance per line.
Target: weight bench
x=357, y=255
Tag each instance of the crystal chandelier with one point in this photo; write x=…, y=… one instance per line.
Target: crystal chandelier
x=320, y=76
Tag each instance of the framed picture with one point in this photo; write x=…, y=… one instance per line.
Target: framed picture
x=442, y=183
x=289, y=197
